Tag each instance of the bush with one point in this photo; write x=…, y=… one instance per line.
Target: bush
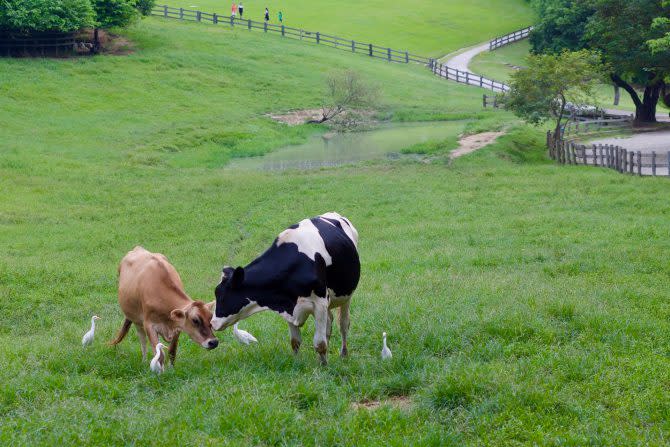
x=25, y=16
x=111, y=13
x=145, y=6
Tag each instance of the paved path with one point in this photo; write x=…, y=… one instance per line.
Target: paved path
x=643, y=142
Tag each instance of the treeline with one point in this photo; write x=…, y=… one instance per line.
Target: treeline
x=631, y=37
x=30, y=17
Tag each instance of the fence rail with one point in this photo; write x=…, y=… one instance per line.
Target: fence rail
x=353, y=46
x=566, y=151
x=510, y=38
x=590, y=125
x=465, y=77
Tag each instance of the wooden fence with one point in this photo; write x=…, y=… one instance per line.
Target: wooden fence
x=40, y=44
x=465, y=77
x=577, y=125
x=491, y=101
x=364, y=48
x=566, y=151
x=510, y=38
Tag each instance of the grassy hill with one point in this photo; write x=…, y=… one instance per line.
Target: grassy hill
x=425, y=27
x=525, y=302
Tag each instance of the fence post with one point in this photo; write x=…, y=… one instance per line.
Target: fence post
x=639, y=163
x=318, y=37
x=624, y=166
x=198, y=16
x=467, y=77
x=215, y=19
x=282, y=30
x=232, y=21
x=181, y=13
x=595, y=156
x=249, y=25
x=484, y=100
x=388, y=50
x=353, y=46
x=631, y=162
x=574, y=154
x=668, y=155
x=653, y=163
x=165, y=10
x=265, y=27
x=371, y=50
x=406, y=57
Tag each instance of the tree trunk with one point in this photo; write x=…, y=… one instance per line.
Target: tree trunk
x=96, y=41
x=645, y=108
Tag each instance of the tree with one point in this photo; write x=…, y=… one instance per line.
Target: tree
x=29, y=16
x=345, y=91
x=622, y=32
x=551, y=83
x=112, y=13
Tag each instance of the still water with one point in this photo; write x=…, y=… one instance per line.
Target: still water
x=344, y=148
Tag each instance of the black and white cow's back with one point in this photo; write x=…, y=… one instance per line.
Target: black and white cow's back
x=310, y=268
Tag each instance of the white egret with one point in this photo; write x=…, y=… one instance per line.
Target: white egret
x=87, y=339
x=243, y=336
x=386, y=352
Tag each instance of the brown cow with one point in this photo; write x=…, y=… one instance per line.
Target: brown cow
x=151, y=296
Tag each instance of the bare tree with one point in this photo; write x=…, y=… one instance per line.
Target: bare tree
x=345, y=91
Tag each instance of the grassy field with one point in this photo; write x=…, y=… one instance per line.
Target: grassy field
x=425, y=27
x=526, y=303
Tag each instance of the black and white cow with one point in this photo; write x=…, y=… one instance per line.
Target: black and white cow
x=310, y=269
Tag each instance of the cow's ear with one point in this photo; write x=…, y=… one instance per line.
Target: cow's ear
x=226, y=273
x=177, y=315
x=238, y=277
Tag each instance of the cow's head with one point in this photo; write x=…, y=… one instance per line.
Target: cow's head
x=232, y=304
x=195, y=320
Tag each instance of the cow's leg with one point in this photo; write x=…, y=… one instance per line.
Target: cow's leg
x=329, y=328
x=143, y=341
x=172, y=350
x=153, y=336
x=296, y=338
x=344, y=327
x=321, y=328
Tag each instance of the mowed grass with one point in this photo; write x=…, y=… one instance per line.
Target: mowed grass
x=526, y=303
x=426, y=27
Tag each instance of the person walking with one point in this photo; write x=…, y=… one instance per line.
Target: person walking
x=281, y=17
x=267, y=15
x=240, y=9
x=233, y=9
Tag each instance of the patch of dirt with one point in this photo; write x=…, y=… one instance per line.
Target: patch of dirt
x=298, y=117
x=110, y=43
x=471, y=143
x=401, y=402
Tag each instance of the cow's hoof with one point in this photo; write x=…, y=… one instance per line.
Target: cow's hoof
x=295, y=345
x=324, y=359
x=344, y=352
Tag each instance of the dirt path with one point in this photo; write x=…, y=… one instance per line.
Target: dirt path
x=474, y=142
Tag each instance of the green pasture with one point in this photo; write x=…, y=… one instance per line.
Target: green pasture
x=525, y=302
x=425, y=27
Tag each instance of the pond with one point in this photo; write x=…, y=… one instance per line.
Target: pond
x=344, y=148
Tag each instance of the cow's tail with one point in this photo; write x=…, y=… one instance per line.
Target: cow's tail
x=122, y=332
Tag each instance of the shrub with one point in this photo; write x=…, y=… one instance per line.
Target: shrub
x=145, y=6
